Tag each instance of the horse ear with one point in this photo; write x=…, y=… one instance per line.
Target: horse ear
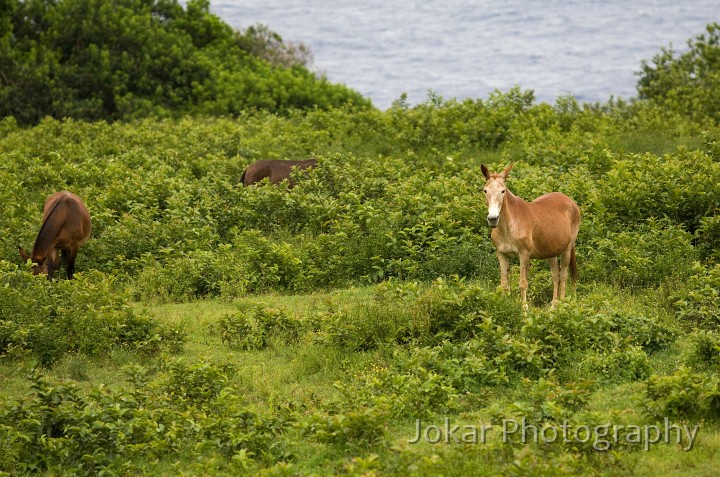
x=485, y=171
x=23, y=254
x=507, y=170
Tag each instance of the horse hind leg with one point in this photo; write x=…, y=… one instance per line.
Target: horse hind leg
x=64, y=259
x=69, y=259
x=555, y=270
x=565, y=265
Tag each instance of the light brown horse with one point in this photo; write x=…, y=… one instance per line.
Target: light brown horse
x=66, y=226
x=275, y=170
x=544, y=228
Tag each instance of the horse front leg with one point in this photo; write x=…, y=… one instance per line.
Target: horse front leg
x=504, y=262
x=524, y=265
x=53, y=263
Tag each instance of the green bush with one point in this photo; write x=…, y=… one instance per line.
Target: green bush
x=707, y=238
x=681, y=188
x=631, y=364
x=410, y=393
x=373, y=326
x=257, y=327
x=572, y=328
x=684, y=394
x=61, y=428
x=465, y=367
x=354, y=429
x=642, y=256
x=196, y=382
x=704, y=350
x=698, y=301
x=87, y=315
x=128, y=59
x=687, y=83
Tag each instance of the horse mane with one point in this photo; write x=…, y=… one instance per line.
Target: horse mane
x=45, y=226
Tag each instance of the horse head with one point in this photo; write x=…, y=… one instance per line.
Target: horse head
x=495, y=193
x=39, y=264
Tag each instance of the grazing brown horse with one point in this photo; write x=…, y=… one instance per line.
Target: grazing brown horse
x=66, y=226
x=544, y=228
x=275, y=170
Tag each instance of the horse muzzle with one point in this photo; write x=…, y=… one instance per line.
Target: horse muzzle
x=493, y=221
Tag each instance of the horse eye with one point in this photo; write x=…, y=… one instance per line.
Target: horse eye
x=502, y=191
x=485, y=190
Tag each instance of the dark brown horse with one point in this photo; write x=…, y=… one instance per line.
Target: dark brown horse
x=544, y=228
x=275, y=170
x=66, y=226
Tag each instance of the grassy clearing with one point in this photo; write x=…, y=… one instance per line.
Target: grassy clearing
x=322, y=383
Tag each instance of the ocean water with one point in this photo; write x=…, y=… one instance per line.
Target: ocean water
x=591, y=49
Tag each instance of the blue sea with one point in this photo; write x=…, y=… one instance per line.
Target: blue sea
x=591, y=49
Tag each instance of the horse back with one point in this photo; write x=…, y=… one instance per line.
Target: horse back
x=275, y=170
x=66, y=222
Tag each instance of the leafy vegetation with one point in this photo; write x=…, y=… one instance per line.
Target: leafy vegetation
x=102, y=60
x=216, y=329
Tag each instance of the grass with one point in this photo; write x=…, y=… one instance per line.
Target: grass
x=316, y=375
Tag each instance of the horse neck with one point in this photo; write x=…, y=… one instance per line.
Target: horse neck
x=512, y=207
x=45, y=241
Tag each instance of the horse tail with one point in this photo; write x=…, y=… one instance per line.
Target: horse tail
x=573, y=267
x=242, y=177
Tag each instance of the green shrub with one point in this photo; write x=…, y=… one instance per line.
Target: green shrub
x=257, y=327
x=86, y=315
x=704, y=350
x=570, y=329
x=644, y=256
x=415, y=393
x=365, y=328
x=456, y=310
x=699, y=300
x=681, y=187
x=191, y=276
x=354, y=429
x=546, y=401
x=464, y=366
x=60, y=428
x=197, y=382
x=684, y=394
x=687, y=83
x=707, y=238
x=125, y=60
x=630, y=364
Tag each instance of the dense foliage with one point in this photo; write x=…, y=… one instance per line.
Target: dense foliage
x=397, y=194
x=100, y=59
